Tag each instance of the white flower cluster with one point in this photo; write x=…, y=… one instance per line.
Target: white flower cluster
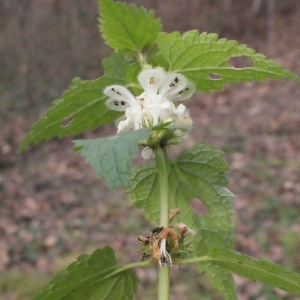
x=155, y=104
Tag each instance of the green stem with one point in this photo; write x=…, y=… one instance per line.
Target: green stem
x=164, y=283
x=141, y=59
x=162, y=173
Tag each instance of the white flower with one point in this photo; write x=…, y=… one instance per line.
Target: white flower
x=122, y=100
x=184, y=229
x=154, y=105
x=161, y=90
x=165, y=256
x=181, y=116
x=147, y=153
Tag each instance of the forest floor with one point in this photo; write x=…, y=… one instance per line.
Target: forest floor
x=53, y=207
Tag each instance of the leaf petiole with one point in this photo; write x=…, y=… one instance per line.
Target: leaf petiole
x=189, y=261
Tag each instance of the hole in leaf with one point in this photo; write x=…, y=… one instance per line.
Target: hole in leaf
x=214, y=76
x=199, y=207
x=240, y=62
x=66, y=122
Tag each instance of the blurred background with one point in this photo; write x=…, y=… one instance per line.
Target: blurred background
x=53, y=207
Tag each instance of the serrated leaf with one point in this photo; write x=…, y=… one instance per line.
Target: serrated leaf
x=110, y=157
x=203, y=170
x=91, y=277
x=127, y=28
x=256, y=269
x=82, y=106
x=156, y=59
x=220, y=279
x=204, y=59
x=197, y=173
x=115, y=67
x=125, y=69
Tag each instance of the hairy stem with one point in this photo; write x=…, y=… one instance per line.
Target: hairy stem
x=162, y=173
x=164, y=283
x=141, y=58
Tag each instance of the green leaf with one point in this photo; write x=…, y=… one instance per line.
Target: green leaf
x=256, y=269
x=203, y=170
x=125, y=69
x=197, y=173
x=220, y=279
x=156, y=59
x=110, y=157
x=127, y=28
x=82, y=106
x=91, y=277
x=133, y=68
x=204, y=59
x=115, y=68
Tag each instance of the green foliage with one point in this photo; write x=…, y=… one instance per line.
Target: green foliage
x=196, y=173
x=198, y=57
x=127, y=28
x=110, y=157
x=202, y=58
x=123, y=69
x=82, y=106
x=256, y=269
x=220, y=279
x=94, y=276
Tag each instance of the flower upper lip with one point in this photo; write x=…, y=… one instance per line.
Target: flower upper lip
x=173, y=86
